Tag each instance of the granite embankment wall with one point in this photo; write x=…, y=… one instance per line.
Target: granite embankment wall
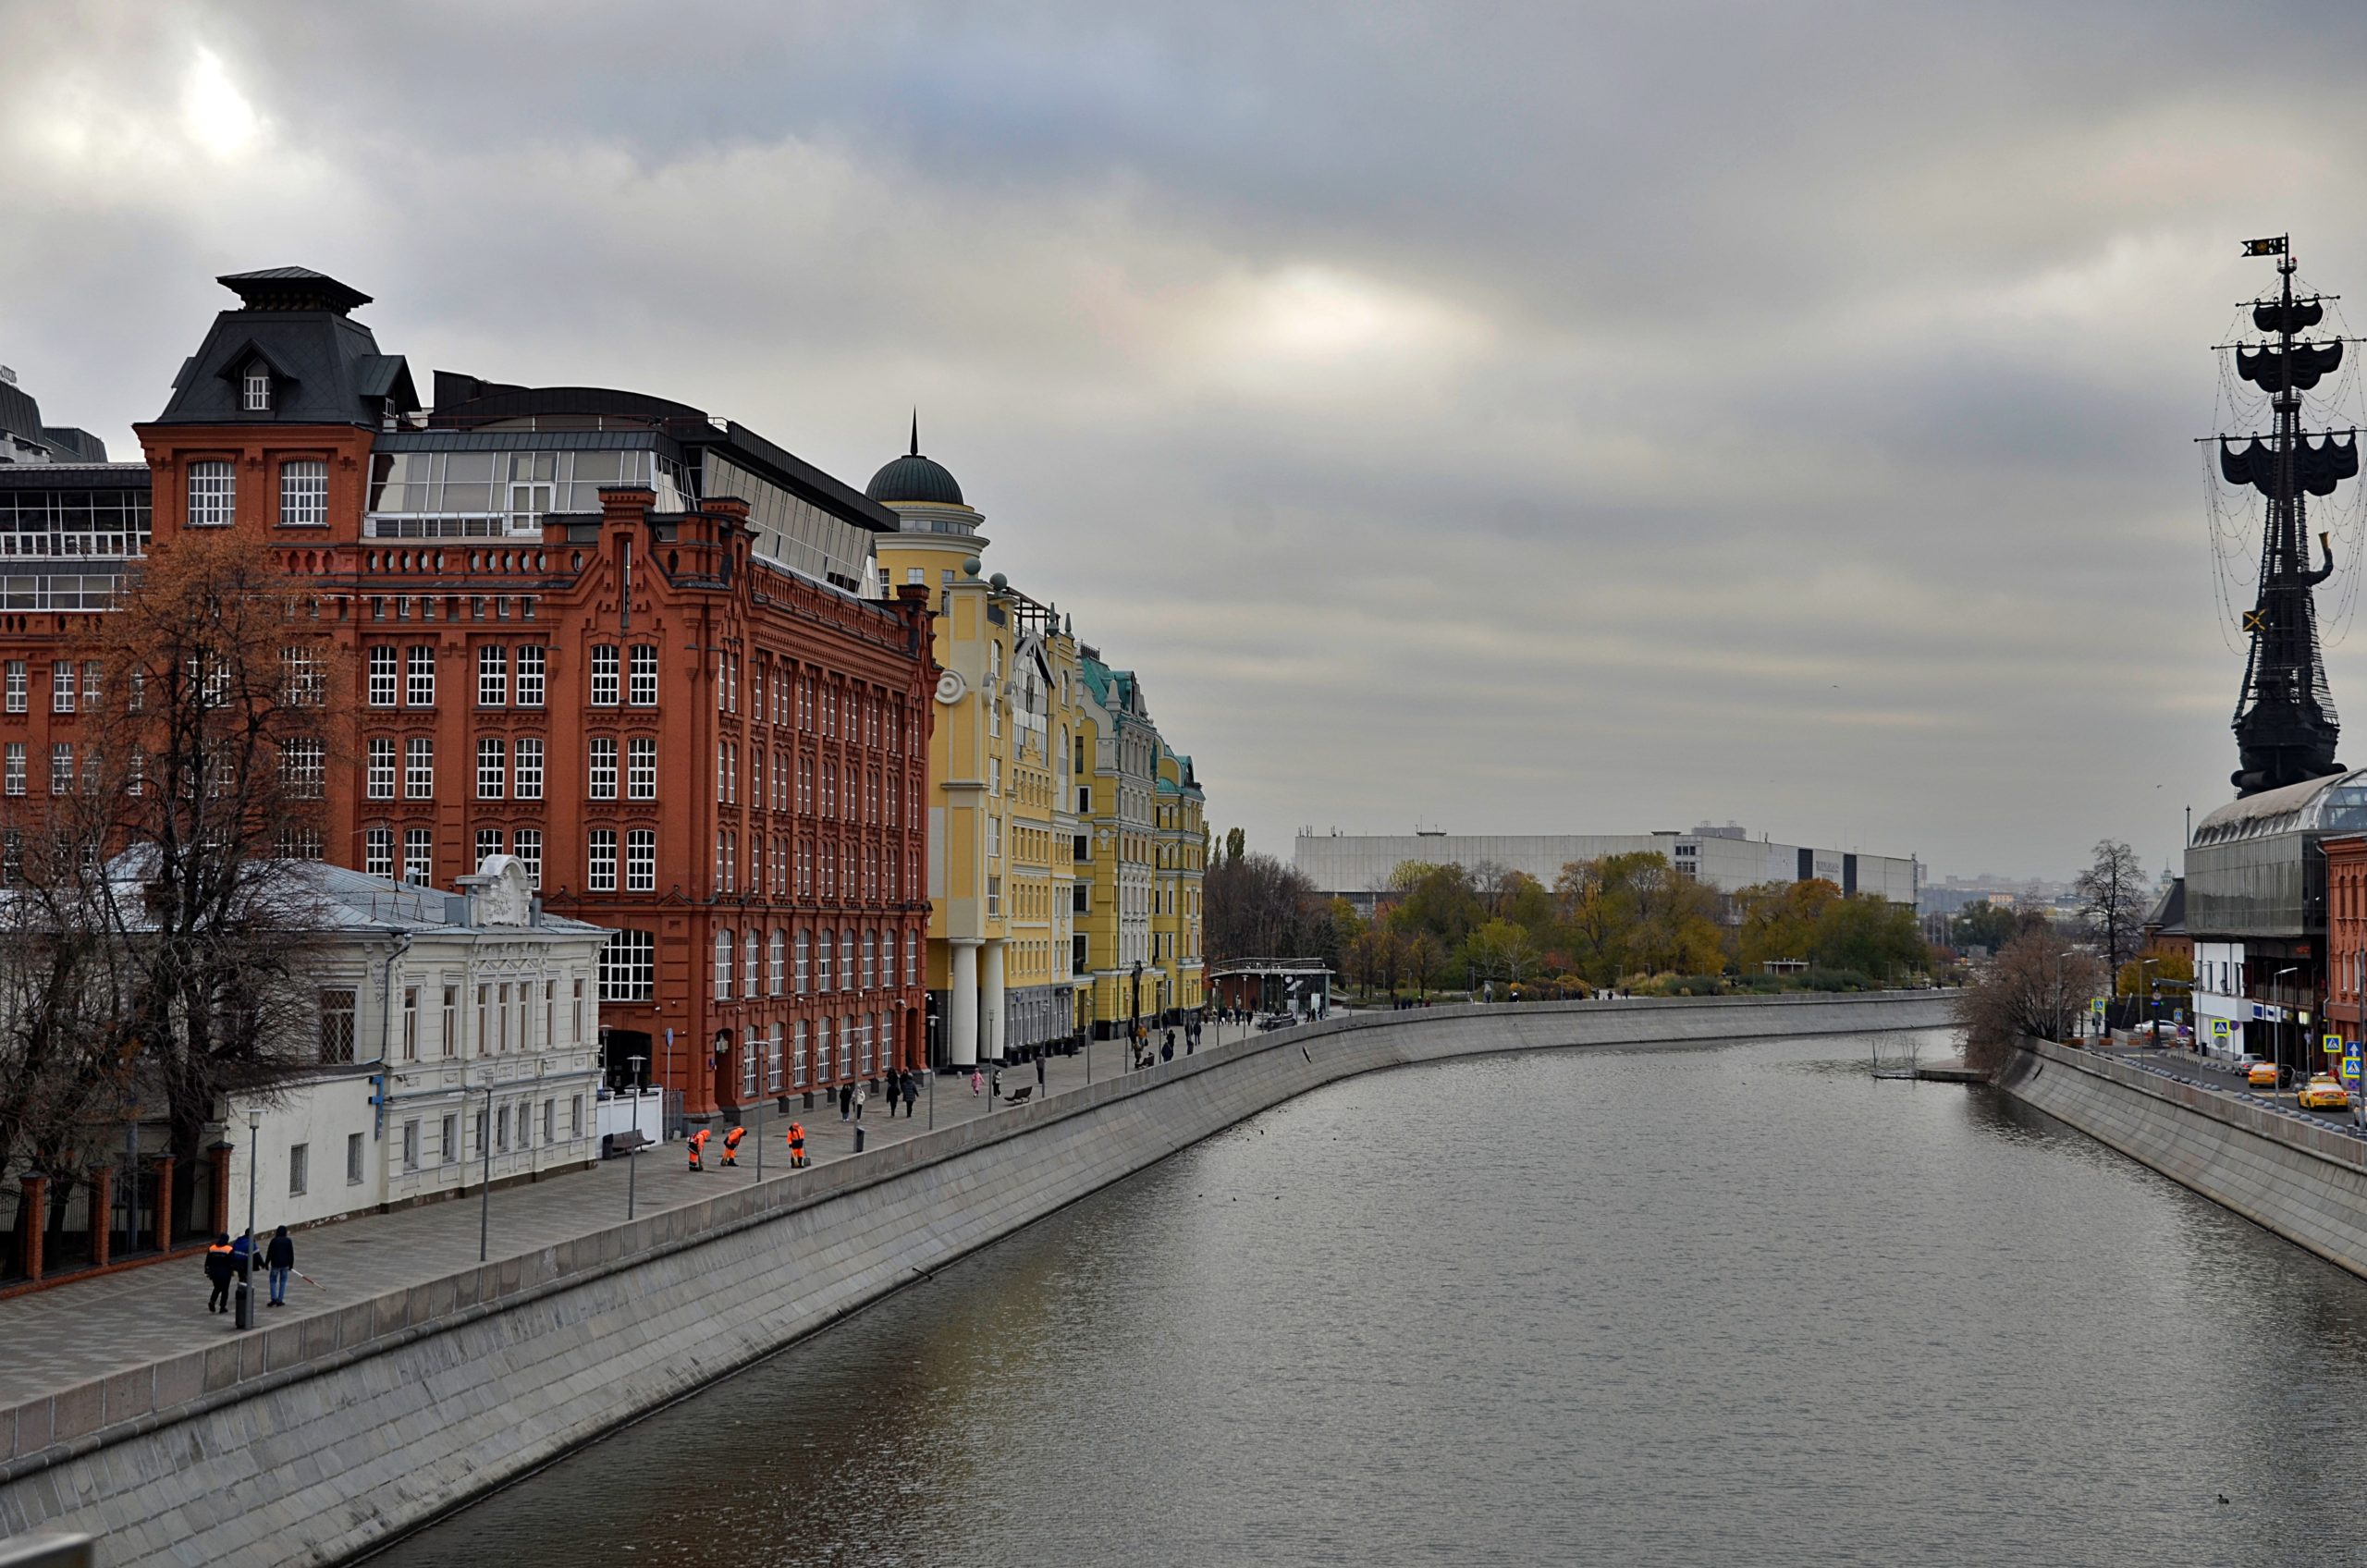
x=2306, y=1182
x=312, y=1440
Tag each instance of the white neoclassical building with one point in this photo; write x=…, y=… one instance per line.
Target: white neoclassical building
x=452, y=1026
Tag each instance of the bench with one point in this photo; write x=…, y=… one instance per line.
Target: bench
x=1020, y=1094
x=632, y=1138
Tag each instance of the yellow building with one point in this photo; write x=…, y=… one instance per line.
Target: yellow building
x=1002, y=830
x=1139, y=805
x=1180, y=850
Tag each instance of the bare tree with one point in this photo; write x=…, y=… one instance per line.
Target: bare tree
x=64, y=1047
x=2035, y=985
x=211, y=743
x=1257, y=907
x=2114, y=898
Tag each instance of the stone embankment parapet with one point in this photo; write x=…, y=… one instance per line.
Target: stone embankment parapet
x=314, y=1439
x=2286, y=1172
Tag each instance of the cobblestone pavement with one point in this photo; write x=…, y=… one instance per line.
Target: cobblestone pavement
x=59, y=1338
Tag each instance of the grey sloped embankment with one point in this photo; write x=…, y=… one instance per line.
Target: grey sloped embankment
x=312, y=1441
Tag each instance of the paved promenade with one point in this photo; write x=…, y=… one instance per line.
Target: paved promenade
x=53, y=1339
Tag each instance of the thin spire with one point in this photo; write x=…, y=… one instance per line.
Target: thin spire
x=916, y=430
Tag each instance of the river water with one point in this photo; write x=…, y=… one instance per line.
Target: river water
x=1727, y=1305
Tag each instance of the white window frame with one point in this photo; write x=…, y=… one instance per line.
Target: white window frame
x=213, y=494
x=605, y=689
x=640, y=767
x=533, y=667
x=600, y=775
x=526, y=768
x=418, y=856
x=303, y=493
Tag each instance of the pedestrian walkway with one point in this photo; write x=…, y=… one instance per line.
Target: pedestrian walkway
x=79, y=1330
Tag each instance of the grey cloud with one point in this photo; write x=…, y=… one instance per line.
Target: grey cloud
x=1596, y=416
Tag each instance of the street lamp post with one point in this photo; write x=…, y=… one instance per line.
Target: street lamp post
x=633, y=1154
x=485, y=1184
x=2289, y=969
x=247, y=1277
x=1134, y=1011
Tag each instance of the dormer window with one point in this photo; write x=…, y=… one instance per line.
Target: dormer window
x=256, y=390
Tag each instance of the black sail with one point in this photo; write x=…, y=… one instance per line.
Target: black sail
x=2273, y=316
x=2265, y=367
x=2317, y=470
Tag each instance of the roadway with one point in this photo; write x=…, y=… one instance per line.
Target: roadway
x=2196, y=1068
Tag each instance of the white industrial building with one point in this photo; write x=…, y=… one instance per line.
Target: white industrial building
x=1357, y=866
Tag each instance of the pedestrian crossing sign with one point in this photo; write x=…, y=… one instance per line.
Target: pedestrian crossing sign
x=2218, y=1028
x=2333, y=1044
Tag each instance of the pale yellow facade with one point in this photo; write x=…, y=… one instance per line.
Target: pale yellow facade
x=1001, y=825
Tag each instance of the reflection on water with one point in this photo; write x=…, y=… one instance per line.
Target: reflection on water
x=1723, y=1306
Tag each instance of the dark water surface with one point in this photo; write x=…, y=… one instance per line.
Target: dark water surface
x=1725, y=1305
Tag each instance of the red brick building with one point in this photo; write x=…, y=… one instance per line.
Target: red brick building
x=2346, y=937
x=642, y=649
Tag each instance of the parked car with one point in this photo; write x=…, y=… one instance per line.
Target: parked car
x=2325, y=1092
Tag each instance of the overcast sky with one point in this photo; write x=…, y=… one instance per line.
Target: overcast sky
x=1508, y=418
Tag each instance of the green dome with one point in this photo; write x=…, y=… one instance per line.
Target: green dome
x=914, y=478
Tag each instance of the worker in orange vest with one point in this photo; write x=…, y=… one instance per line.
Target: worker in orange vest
x=796, y=1144
x=731, y=1144
x=698, y=1147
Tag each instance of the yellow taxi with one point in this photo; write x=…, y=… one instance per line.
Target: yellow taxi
x=2263, y=1075
x=2323, y=1092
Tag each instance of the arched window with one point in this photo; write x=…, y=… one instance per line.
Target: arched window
x=778, y=959
x=846, y=958
x=887, y=957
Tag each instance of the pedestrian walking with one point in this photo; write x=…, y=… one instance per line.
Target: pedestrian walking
x=846, y=1101
x=279, y=1259
x=858, y=1103
x=796, y=1145
x=218, y=1270
x=977, y=1082
x=912, y=1093
x=1167, y=1047
x=698, y=1148
x=731, y=1144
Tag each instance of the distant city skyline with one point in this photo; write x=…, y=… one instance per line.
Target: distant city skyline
x=1819, y=458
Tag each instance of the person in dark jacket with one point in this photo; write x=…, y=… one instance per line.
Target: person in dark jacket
x=218, y=1270
x=912, y=1093
x=279, y=1257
